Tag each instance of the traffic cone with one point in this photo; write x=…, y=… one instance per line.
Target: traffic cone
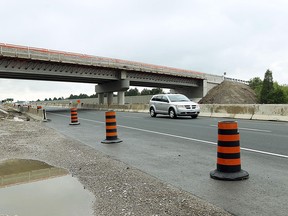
x=111, y=128
x=228, y=153
x=74, y=117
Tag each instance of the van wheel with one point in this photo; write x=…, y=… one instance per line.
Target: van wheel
x=172, y=113
x=152, y=112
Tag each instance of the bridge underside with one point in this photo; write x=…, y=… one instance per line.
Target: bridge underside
x=52, y=71
x=30, y=69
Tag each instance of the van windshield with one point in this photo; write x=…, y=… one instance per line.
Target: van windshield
x=178, y=98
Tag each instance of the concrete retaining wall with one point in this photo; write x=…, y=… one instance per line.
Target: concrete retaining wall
x=272, y=112
x=240, y=111
x=31, y=111
x=276, y=112
x=141, y=99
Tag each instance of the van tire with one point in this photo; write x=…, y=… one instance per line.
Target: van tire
x=172, y=113
x=152, y=112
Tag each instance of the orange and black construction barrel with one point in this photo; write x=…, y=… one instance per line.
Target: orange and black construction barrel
x=228, y=153
x=74, y=117
x=111, y=128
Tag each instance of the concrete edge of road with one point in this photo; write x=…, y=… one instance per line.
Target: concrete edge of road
x=267, y=112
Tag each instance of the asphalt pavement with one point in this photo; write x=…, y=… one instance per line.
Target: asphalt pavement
x=182, y=152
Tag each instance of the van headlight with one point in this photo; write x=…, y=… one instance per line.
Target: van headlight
x=180, y=106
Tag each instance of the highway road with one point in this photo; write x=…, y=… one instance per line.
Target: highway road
x=182, y=152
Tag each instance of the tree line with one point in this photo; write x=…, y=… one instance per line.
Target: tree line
x=145, y=91
x=130, y=92
x=7, y=100
x=268, y=91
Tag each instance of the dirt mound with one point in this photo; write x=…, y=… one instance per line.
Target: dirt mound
x=229, y=92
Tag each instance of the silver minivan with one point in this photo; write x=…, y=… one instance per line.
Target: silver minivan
x=173, y=105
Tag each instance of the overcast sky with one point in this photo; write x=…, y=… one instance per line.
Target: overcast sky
x=243, y=38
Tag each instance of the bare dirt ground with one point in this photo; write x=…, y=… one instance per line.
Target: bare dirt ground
x=229, y=92
x=119, y=189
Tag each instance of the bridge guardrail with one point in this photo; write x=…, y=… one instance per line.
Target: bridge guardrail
x=10, y=50
x=236, y=80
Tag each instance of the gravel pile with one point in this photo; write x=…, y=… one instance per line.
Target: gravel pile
x=229, y=92
x=118, y=188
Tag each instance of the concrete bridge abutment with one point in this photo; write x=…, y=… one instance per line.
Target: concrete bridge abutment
x=195, y=93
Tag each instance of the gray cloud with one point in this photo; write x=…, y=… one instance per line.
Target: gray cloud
x=242, y=38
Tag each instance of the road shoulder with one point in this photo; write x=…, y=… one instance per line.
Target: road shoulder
x=119, y=189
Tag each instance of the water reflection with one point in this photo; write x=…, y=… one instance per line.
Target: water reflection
x=30, y=187
x=17, y=171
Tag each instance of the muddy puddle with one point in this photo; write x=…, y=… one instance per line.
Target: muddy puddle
x=30, y=187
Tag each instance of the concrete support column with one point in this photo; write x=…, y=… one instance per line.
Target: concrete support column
x=101, y=98
x=110, y=98
x=121, y=98
x=205, y=88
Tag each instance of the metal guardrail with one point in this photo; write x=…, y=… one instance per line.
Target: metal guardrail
x=236, y=80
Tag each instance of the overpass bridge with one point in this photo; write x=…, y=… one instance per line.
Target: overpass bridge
x=110, y=75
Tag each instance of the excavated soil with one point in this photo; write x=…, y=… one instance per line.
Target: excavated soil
x=229, y=92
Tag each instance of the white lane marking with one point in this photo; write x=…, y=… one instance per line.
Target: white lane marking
x=125, y=116
x=203, y=141
x=263, y=152
x=249, y=129
x=186, y=138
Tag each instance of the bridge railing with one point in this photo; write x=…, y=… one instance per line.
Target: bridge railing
x=10, y=50
x=236, y=80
